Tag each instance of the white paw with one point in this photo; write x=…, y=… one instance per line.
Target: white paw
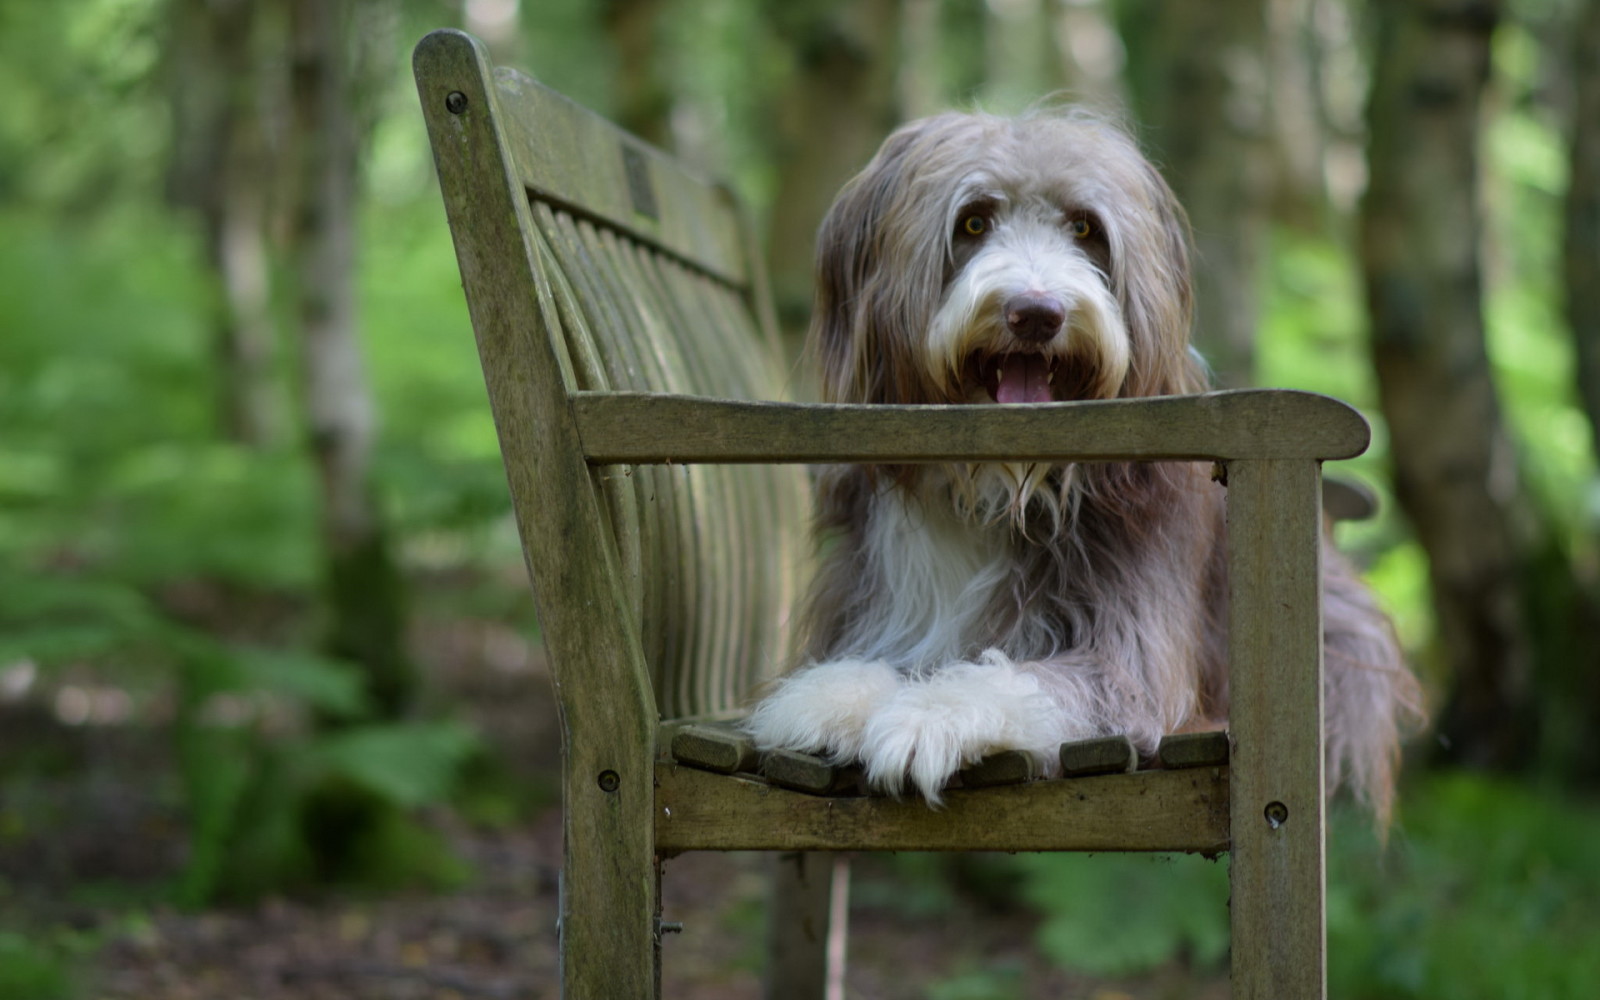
x=823, y=708
x=932, y=728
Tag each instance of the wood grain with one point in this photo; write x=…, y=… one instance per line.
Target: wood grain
x=1143, y=811
x=803, y=772
x=567, y=155
x=714, y=748
x=1220, y=426
x=609, y=899
x=1194, y=750
x=1105, y=755
x=1275, y=722
x=1008, y=767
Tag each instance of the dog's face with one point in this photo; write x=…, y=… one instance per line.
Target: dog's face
x=981, y=259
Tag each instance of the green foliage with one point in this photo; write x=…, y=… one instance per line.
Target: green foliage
x=410, y=764
x=141, y=547
x=1487, y=890
x=1528, y=338
x=1001, y=982
x=1119, y=915
x=328, y=808
x=32, y=969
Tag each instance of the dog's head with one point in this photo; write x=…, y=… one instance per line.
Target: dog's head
x=986, y=259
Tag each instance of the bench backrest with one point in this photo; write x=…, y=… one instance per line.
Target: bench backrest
x=646, y=278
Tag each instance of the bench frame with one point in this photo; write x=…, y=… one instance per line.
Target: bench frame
x=626, y=806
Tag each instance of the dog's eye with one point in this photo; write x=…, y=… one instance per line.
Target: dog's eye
x=1080, y=228
x=974, y=225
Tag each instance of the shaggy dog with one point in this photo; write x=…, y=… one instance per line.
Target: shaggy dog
x=966, y=609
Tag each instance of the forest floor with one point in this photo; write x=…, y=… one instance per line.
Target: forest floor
x=103, y=828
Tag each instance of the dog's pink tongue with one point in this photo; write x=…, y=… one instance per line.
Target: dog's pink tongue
x=1024, y=378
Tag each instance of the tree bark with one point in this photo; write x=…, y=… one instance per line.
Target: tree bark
x=1578, y=692
x=1020, y=53
x=919, y=82
x=1296, y=133
x=1209, y=113
x=643, y=97
x=362, y=584
x=217, y=173
x=1456, y=474
x=832, y=114
x=1581, y=243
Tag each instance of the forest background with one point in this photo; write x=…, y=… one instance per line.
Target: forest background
x=254, y=536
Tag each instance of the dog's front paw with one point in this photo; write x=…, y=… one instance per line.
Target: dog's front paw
x=933, y=728
x=823, y=708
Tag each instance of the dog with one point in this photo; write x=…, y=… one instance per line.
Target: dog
x=964, y=609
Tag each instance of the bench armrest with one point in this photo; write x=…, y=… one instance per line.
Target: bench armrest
x=651, y=428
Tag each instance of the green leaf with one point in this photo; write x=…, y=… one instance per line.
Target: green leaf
x=410, y=763
x=325, y=684
x=1122, y=915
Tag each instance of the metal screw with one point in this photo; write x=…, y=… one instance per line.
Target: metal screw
x=455, y=102
x=609, y=781
x=669, y=927
x=1277, y=814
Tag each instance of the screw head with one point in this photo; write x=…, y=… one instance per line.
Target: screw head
x=455, y=102
x=609, y=781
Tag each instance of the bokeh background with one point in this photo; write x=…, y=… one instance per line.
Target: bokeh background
x=274, y=717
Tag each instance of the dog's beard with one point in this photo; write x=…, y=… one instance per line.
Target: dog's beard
x=976, y=358
x=1037, y=500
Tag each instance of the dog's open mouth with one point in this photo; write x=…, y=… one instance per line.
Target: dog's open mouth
x=1016, y=377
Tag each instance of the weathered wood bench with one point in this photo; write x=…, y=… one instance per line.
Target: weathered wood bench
x=657, y=479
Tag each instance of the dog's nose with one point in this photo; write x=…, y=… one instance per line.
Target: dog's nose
x=1034, y=317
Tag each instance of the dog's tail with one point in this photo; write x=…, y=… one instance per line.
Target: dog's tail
x=1371, y=700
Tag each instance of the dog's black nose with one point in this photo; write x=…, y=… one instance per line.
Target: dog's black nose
x=1034, y=317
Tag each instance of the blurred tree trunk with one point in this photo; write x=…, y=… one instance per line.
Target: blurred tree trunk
x=218, y=172
x=1581, y=250
x=830, y=117
x=1090, y=54
x=1019, y=48
x=1339, y=76
x=328, y=100
x=1298, y=145
x=1580, y=695
x=1456, y=472
x=1208, y=108
x=644, y=99
x=919, y=85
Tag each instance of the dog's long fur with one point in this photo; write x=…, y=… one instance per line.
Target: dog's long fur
x=961, y=610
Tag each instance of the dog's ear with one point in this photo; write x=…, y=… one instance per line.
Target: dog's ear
x=1150, y=269
x=879, y=269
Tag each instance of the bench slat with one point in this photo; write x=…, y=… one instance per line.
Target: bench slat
x=570, y=157
x=1194, y=750
x=711, y=579
x=1105, y=755
x=601, y=357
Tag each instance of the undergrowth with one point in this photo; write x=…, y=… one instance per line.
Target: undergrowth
x=1486, y=889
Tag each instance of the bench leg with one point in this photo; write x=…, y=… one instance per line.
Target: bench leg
x=610, y=889
x=1276, y=776
x=807, y=925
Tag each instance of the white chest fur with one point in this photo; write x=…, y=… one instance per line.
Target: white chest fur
x=935, y=575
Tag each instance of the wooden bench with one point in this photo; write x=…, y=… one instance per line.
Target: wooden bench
x=656, y=474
